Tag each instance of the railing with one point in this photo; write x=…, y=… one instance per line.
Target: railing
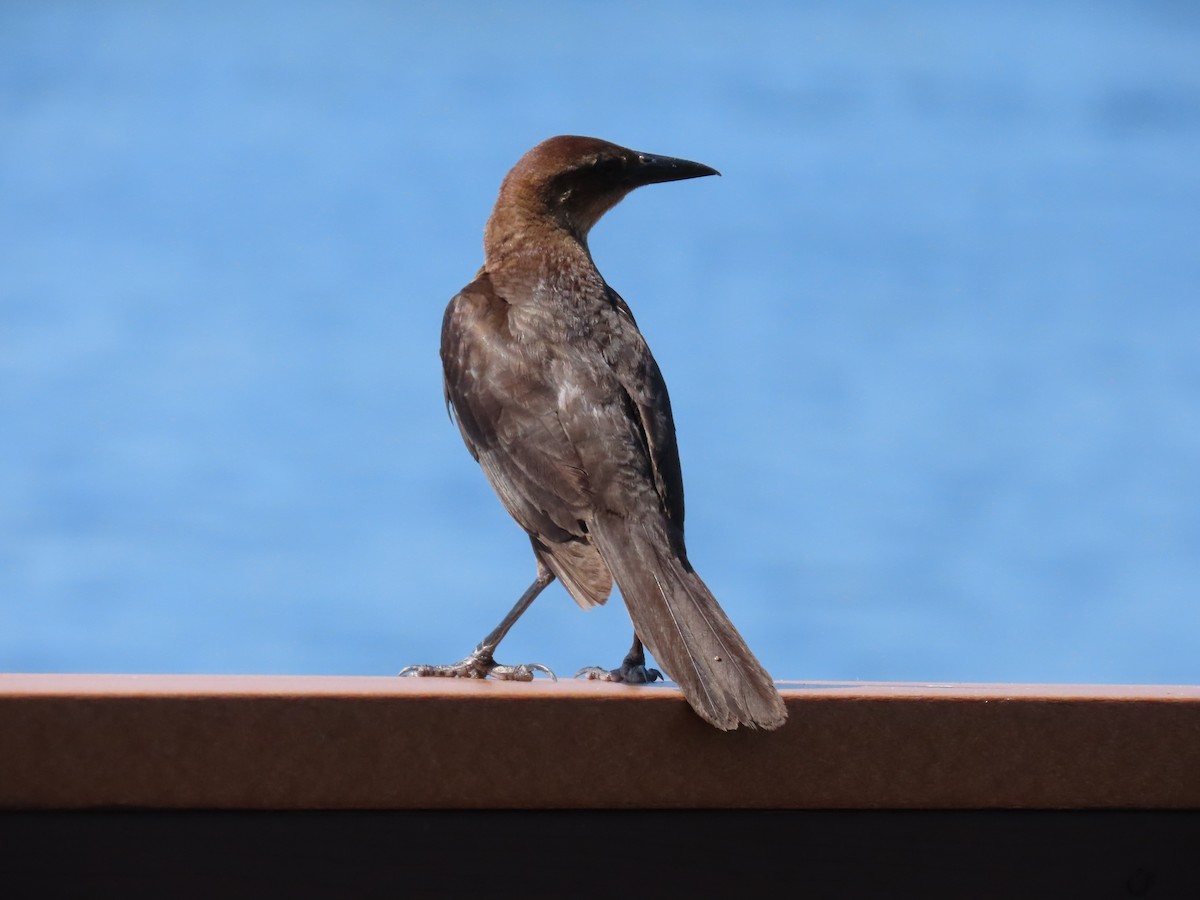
x=171, y=747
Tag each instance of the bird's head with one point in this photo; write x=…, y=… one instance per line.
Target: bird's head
x=573, y=181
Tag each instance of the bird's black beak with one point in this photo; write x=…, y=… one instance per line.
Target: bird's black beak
x=651, y=169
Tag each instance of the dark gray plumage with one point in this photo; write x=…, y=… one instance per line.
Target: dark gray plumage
x=559, y=399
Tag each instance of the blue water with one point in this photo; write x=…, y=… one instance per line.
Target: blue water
x=933, y=340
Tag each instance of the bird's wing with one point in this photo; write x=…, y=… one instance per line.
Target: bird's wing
x=507, y=412
x=643, y=382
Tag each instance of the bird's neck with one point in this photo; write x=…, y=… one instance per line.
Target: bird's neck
x=533, y=263
x=518, y=239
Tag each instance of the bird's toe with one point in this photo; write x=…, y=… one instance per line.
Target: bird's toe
x=625, y=674
x=478, y=665
x=522, y=672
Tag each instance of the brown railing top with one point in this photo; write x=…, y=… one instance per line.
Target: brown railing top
x=289, y=742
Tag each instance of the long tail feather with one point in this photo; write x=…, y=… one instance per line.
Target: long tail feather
x=680, y=621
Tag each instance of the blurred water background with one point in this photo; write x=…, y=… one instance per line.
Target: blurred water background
x=933, y=340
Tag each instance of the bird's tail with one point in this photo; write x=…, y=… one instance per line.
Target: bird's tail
x=679, y=620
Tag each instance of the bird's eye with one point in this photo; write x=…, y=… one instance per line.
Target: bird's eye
x=564, y=197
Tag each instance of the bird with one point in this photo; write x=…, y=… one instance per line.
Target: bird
x=560, y=401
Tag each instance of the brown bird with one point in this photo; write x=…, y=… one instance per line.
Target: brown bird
x=561, y=403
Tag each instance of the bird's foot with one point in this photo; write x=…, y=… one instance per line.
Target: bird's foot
x=479, y=664
x=627, y=673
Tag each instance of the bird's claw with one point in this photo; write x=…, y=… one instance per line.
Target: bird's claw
x=626, y=674
x=523, y=672
x=478, y=665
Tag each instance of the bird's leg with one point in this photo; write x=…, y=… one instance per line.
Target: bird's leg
x=481, y=662
x=631, y=671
